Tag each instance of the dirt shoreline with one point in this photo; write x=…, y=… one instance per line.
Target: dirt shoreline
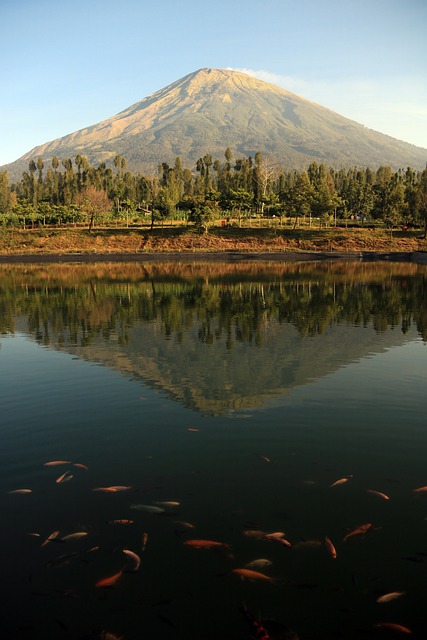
x=419, y=257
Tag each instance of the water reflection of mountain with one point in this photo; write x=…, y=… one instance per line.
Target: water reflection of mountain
x=220, y=341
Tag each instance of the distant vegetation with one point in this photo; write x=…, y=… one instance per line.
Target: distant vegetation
x=235, y=189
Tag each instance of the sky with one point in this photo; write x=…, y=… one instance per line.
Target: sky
x=68, y=65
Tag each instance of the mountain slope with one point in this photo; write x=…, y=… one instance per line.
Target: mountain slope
x=212, y=109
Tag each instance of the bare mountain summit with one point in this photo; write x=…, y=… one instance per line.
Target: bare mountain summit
x=212, y=109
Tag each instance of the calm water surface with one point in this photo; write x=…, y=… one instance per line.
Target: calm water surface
x=242, y=393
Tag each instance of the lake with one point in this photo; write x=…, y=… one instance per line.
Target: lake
x=178, y=415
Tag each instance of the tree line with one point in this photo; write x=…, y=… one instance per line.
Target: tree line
x=75, y=192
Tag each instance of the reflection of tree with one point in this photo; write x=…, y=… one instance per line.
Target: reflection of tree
x=81, y=303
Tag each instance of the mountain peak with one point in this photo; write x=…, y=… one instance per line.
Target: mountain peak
x=211, y=109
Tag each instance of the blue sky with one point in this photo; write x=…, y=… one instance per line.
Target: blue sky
x=67, y=65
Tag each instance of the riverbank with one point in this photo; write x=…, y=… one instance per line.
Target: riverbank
x=232, y=244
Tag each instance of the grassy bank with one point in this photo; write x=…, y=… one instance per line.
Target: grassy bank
x=185, y=239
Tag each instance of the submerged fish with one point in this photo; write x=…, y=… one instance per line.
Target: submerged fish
x=388, y=597
x=113, y=489
x=51, y=537
x=56, y=463
x=340, y=481
x=135, y=558
x=108, y=582
x=358, y=531
x=80, y=466
x=259, y=563
x=330, y=547
x=149, y=508
x=257, y=630
x=261, y=457
x=122, y=521
x=186, y=525
x=393, y=627
x=169, y=503
x=64, y=478
x=206, y=544
x=421, y=489
x=21, y=491
x=74, y=536
x=249, y=574
x=254, y=533
x=144, y=540
x=379, y=494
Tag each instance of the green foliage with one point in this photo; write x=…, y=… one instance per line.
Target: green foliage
x=247, y=186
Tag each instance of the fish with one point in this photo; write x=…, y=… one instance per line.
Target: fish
x=21, y=491
x=64, y=478
x=107, y=635
x=388, y=597
x=193, y=430
x=135, y=558
x=420, y=489
x=74, y=536
x=206, y=544
x=56, y=463
x=51, y=537
x=80, y=466
x=279, y=540
x=121, y=521
x=170, y=503
x=359, y=530
x=113, y=489
x=379, y=494
x=330, y=547
x=261, y=457
x=149, y=508
x=34, y=534
x=144, y=540
x=340, y=481
x=108, y=582
x=259, y=563
x=186, y=525
x=254, y=533
x=257, y=630
x=393, y=627
x=250, y=574
x=274, y=535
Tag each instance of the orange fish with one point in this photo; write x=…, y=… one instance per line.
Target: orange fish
x=74, y=536
x=393, y=627
x=379, y=494
x=21, y=491
x=55, y=463
x=206, y=544
x=135, y=558
x=192, y=429
x=359, y=530
x=254, y=533
x=330, y=547
x=340, y=481
x=52, y=536
x=144, y=540
x=108, y=582
x=249, y=574
x=113, y=489
x=121, y=521
x=64, y=478
x=81, y=466
x=259, y=455
x=388, y=597
x=420, y=489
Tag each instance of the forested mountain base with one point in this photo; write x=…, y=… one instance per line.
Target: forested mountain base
x=245, y=192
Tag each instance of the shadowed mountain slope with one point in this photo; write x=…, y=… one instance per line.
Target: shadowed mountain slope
x=212, y=109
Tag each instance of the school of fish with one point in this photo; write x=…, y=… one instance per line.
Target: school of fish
x=248, y=570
